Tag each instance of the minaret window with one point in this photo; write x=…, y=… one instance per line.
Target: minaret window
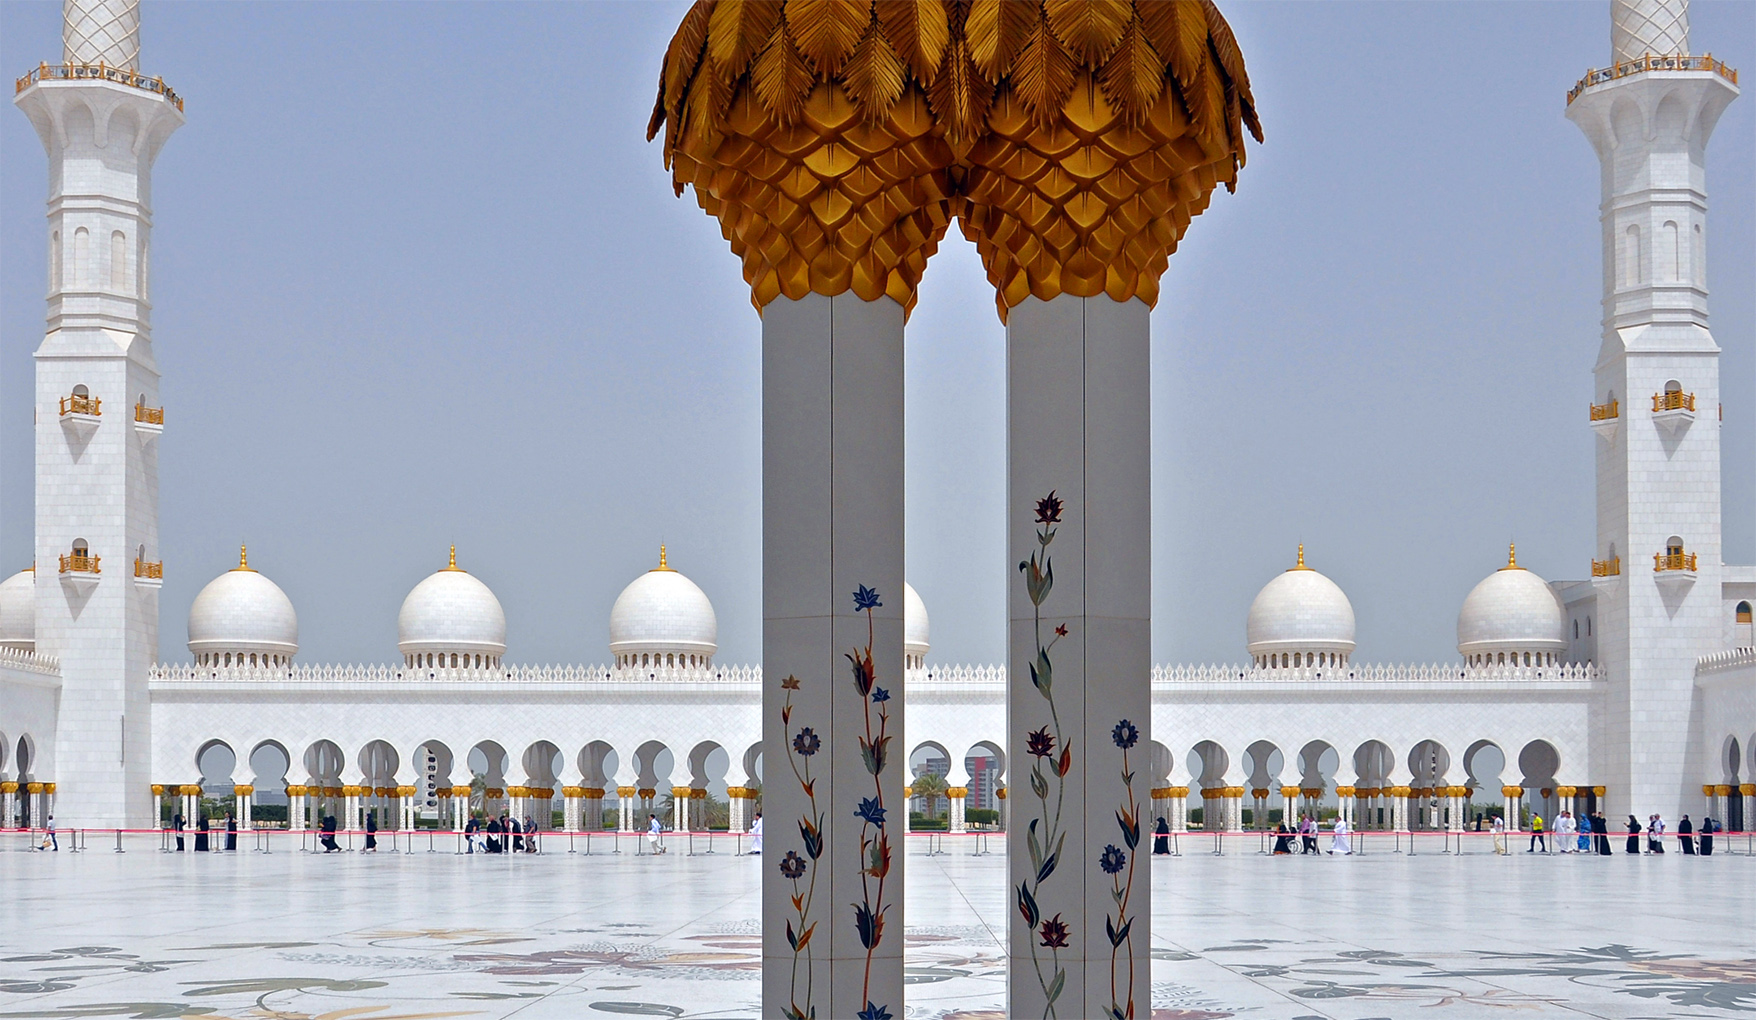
x=55, y=261
x=1672, y=252
x=81, y=258
x=1631, y=275
x=1743, y=611
x=118, y=261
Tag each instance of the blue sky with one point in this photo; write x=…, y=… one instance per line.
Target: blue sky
x=420, y=280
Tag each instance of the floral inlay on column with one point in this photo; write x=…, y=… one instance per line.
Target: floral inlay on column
x=1044, y=835
x=874, y=841
x=1113, y=861
x=806, y=744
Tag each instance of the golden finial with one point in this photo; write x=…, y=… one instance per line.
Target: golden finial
x=663, y=563
x=244, y=557
x=1301, y=564
x=452, y=565
x=1512, y=557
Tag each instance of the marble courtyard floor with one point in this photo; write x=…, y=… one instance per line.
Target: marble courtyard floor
x=290, y=936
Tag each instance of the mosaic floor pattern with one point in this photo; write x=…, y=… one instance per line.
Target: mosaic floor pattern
x=290, y=936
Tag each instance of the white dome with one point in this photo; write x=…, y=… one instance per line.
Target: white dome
x=18, y=611
x=663, y=619
x=1299, y=613
x=452, y=618
x=242, y=615
x=914, y=627
x=1512, y=612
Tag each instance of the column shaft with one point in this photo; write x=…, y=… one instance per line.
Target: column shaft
x=832, y=414
x=1079, y=533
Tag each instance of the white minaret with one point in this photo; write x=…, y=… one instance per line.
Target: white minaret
x=1649, y=116
x=98, y=414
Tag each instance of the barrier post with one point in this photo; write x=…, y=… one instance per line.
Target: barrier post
x=119, y=841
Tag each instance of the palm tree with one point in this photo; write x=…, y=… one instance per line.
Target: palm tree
x=930, y=787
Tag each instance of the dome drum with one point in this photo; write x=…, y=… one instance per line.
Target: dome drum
x=914, y=629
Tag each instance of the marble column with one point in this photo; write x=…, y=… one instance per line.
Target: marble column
x=680, y=809
x=956, y=796
x=1289, y=798
x=1080, y=604
x=591, y=809
x=735, y=805
x=158, y=806
x=625, y=808
x=832, y=456
x=1748, y=792
x=243, y=795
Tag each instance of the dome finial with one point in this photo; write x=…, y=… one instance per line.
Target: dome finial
x=664, y=563
x=1512, y=557
x=452, y=565
x=244, y=557
x=1301, y=564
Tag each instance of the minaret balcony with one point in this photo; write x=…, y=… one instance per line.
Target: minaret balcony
x=81, y=414
x=1606, y=573
x=1673, y=410
x=149, y=421
x=1652, y=62
x=80, y=571
x=1605, y=418
x=149, y=575
x=97, y=72
x=1674, y=570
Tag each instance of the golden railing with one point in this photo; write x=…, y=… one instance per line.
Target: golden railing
x=77, y=404
x=1611, y=567
x=1599, y=75
x=149, y=570
x=1671, y=400
x=149, y=415
x=80, y=563
x=98, y=72
x=1673, y=561
x=1605, y=412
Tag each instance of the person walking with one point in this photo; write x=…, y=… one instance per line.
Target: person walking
x=1308, y=835
x=1536, y=834
x=1686, y=836
x=49, y=841
x=1283, y=839
x=1583, y=844
x=1634, y=830
x=231, y=831
x=756, y=835
x=1564, y=830
x=328, y=837
x=1704, y=835
x=1161, y=837
x=372, y=832
x=653, y=832
x=1602, y=826
x=492, y=839
x=1339, y=842
x=177, y=827
x=517, y=831
x=1655, y=834
x=201, y=833
x=530, y=835
x=1499, y=834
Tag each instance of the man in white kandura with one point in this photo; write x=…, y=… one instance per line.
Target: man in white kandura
x=1339, y=842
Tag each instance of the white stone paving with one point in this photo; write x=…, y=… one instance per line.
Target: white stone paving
x=291, y=936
